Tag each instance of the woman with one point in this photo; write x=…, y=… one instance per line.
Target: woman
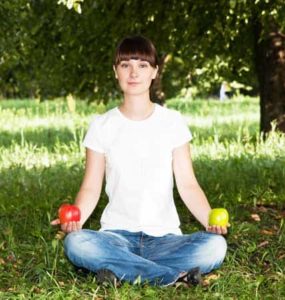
x=138, y=146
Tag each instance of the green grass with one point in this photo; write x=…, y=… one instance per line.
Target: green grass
x=41, y=164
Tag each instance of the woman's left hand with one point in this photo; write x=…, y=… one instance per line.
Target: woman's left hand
x=217, y=229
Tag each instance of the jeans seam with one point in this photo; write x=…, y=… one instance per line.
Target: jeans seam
x=141, y=245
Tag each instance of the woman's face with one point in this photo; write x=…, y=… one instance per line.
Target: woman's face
x=135, y=76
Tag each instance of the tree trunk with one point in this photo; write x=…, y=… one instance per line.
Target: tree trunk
x=270, y=67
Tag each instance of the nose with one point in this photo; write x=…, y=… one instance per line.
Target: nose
x=134, y=72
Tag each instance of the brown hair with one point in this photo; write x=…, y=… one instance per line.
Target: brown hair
x=136, y=47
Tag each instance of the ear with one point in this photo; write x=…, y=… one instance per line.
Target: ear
x=155, y=72
x=115, y=71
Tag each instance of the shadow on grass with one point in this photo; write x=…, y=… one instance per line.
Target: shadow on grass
x=42, y=137
x=30, y=199
x=38, y=191
x=239, y=182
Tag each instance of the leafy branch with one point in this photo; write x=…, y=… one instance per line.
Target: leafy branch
x=75, y=4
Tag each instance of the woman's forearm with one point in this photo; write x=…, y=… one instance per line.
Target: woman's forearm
x=86, y=200
x=196, y=201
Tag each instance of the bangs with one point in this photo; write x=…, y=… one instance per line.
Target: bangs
x=136, y=48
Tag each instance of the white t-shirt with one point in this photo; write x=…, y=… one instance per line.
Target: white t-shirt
x=139, y=174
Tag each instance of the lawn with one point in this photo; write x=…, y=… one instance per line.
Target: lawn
x=42, y=164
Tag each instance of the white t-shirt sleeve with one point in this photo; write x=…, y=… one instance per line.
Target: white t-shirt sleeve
x=93, y=137
x=180, y=131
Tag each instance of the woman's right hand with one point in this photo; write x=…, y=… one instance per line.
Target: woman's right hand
x=67, y=227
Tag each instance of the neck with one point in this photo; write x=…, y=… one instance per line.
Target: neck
x=136, y=107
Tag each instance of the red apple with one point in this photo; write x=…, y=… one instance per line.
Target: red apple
x=68, y=213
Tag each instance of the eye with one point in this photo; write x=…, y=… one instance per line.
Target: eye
x=124, y=64
x=143, y=65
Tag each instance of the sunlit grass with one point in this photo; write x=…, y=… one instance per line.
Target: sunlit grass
x=42, y=163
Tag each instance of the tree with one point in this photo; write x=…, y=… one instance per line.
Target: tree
x=59, y=51
x=245, y=37
x=248, y=36
x=10, y=45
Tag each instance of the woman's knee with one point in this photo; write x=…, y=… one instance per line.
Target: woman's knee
x=219, y=245
x=213, y=252
x=81, y=243
x=211, y=245
x=73, y=239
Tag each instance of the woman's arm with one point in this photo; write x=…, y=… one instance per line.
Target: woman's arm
x=90, y=190
x=189, y=188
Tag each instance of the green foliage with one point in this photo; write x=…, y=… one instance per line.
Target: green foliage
x=47, y=50
x=75, y=4
x=42, y=164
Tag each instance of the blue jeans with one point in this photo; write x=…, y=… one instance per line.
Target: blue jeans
x=137, y=256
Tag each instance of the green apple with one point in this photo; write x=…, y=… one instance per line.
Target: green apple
x=219, y=217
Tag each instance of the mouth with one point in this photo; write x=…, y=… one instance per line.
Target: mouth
x=133, y=82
